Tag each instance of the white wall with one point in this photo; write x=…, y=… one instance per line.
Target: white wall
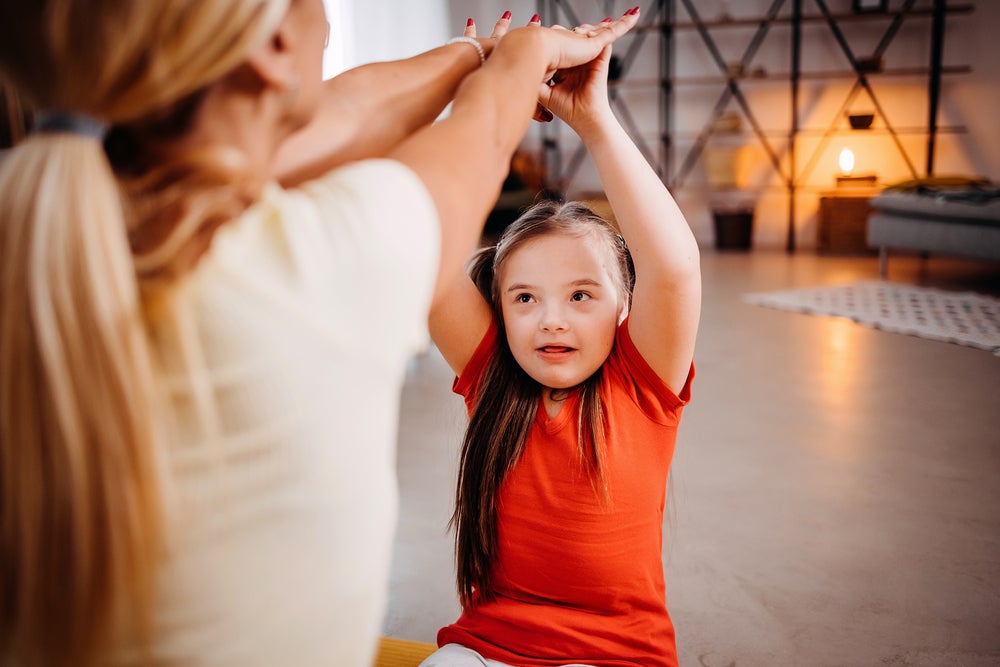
x=374, y=30
x=969, y=100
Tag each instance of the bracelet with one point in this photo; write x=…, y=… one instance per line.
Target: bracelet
x=474, y=42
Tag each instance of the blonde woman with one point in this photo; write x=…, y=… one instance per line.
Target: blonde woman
x=199, y=368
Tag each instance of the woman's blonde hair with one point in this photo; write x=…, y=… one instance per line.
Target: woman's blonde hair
x=81, y=511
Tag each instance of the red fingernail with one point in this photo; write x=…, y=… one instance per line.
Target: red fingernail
x=470, y=23
x=636, y=10
x=535, y=19
x=506, y=15
x=607, y=20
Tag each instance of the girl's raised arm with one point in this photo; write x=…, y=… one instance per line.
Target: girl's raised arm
x=666, y=304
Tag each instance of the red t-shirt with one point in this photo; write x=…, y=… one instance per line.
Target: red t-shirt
x=578, y=581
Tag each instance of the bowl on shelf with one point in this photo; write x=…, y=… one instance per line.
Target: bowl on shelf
x=860, y=121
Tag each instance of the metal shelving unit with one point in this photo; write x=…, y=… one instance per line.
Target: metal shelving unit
x=659, y=21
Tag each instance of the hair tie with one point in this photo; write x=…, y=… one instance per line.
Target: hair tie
x=53, y=121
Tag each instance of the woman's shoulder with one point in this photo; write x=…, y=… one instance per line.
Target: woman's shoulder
x=371, y=207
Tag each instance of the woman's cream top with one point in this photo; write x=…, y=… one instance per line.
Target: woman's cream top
x=284, y=354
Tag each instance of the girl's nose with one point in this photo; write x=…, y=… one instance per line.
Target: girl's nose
x=553, y=319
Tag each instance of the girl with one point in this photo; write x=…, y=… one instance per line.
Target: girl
x=575, y=384
x=200, y=369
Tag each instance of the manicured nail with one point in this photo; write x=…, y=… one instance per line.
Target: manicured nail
x=506, y=15
x=635, y=11
x=470, y=23
x=535, y=19
x=607, y=20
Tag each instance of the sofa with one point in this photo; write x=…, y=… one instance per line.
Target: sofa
x=949, y=216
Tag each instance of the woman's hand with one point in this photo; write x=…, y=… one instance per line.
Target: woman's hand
x=500, y=29
x=570, y=48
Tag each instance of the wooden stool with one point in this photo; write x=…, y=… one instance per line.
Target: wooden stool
x=401, y=653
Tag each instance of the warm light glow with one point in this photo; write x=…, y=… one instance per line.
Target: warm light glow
x=846, y=161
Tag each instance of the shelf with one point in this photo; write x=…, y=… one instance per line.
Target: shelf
x=818, y=132
x=782, y=77
x=839, y=17
x=791, y=152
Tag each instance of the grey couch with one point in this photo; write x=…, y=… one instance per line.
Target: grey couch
x=955, y=219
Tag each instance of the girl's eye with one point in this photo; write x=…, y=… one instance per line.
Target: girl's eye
x=523, y=298
x=580, y=296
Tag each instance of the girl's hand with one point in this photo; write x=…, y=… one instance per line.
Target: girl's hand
x=579, y=94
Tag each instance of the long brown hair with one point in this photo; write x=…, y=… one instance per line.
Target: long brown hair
x=506, y=399
x=81, y=461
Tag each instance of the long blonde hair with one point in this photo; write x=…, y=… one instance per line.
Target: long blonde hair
x=81, y=511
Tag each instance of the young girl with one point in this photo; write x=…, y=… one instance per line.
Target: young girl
x=575, y=384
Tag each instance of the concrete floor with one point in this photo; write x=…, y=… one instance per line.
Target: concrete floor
x=835, y=494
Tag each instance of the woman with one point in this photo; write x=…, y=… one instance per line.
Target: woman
x=200, y=369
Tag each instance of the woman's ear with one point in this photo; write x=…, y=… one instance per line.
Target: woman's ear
x=273, y=61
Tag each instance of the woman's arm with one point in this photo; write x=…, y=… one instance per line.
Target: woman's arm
x=666, y=304
x=368, y=110
x=464, y=158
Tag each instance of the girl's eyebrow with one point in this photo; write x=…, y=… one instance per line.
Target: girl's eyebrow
x=589, y=282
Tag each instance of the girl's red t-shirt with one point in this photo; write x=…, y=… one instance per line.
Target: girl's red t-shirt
x=578, y=580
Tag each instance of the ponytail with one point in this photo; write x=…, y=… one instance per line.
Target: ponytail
x=80, y=509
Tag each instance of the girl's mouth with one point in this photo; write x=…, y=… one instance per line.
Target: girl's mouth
x=555, y=349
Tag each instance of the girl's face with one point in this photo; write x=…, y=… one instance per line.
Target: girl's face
x=560, y=307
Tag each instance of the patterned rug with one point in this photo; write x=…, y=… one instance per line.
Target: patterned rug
x=965, y=318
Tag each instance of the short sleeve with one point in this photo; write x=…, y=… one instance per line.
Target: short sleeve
x=656, y=400
x=390, y=223
x=465, y=384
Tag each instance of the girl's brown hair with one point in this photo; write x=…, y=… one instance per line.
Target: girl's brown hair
x=81, y=463
x=506, y=398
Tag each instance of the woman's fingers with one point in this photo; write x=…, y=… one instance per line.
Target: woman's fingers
x=582, y=47
x=470, y=28
x=501, y=26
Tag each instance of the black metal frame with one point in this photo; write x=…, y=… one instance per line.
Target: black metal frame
x=661, y=14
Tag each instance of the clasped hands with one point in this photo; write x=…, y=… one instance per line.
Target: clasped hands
x=567, y=91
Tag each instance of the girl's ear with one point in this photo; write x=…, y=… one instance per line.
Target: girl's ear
x=623, y=311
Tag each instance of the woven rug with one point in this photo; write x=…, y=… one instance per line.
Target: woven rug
x=965, y=318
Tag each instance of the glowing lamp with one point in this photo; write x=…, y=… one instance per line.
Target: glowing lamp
x=846, y=176
x=846, y=161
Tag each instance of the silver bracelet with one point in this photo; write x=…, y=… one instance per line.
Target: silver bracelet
x=474, y=42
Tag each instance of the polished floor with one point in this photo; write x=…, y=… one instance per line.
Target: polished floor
x=835, y=495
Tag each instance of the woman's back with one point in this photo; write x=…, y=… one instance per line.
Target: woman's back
x=281, y=387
